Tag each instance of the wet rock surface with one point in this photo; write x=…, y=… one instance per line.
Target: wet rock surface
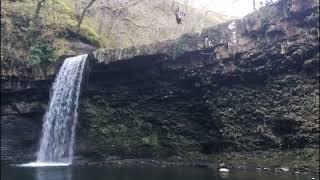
x=254, y=87
x=19, y=136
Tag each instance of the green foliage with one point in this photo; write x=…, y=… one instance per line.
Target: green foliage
x=41, y=52
x=91, y=35
x=64, y=7
x=41, y=47
x=45, y=39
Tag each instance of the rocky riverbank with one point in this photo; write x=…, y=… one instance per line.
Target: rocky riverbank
x=272, y=161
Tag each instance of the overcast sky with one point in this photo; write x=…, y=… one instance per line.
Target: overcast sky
x=238, y=8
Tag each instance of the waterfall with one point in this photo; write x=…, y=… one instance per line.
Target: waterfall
x=59, y=122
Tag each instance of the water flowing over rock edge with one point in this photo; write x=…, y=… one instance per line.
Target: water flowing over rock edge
x=300, y=63
x=57, y=137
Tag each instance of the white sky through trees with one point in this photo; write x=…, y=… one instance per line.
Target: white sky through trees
x=238, y=8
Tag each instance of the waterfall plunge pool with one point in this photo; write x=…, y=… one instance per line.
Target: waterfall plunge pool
x=138, y=173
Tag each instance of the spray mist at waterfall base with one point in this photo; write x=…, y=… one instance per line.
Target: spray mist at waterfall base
x=59, y=121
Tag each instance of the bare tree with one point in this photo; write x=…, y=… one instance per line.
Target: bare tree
x=85, y=9
x=254, y=4
x=38, y=8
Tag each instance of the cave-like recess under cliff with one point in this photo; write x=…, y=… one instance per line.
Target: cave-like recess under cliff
x=259, y=92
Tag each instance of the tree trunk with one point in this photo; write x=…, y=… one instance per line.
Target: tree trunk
x=254, y=4
x=39, y=6
x=83, y=14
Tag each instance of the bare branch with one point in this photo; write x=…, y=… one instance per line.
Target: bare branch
x=83, y=14
x=39, y=6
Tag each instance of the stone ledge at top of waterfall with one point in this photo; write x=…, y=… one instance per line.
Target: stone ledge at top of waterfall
x=60, y=119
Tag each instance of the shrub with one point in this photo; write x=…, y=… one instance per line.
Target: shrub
x=41, y=52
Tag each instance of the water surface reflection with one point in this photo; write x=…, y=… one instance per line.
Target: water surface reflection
x=112, y=173
x=53, y=173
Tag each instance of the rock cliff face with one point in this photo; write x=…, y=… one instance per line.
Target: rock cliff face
x=24, y=97
x=249, y=84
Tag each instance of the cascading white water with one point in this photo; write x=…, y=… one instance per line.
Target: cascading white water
x=58, y=131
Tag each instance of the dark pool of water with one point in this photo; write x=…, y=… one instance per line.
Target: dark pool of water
x=111, y=173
